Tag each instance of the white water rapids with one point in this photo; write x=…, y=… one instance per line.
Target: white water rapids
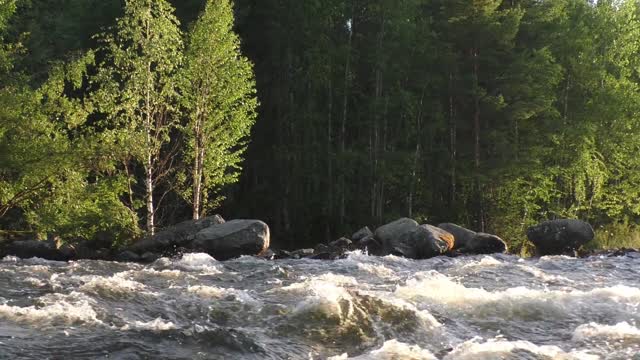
x=361, y=307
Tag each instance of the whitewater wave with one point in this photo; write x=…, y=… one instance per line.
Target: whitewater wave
x=193, y=262
x=432, y=287
x=73, y=309
x=213, y=292
x=619, y=331
x=157, y=324
x=117, y=284
x=477, y=349
x=392, y=349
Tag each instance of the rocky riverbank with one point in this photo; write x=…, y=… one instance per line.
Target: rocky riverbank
x=404, y=237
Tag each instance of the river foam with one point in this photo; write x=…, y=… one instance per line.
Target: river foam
x=361, y=307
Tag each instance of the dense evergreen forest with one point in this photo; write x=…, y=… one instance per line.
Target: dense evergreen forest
x=318, y=117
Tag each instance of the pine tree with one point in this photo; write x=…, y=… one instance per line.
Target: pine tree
x=218, y=90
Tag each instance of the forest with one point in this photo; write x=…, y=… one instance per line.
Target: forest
x=120, y=117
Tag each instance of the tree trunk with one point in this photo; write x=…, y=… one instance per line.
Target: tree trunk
x=149, y=193
x=148, y=168
x=329, y=211
x=416, y=155
x=343, y=125
x=476, y=139
x=198, y=163
x=452, y=139
x=376, y=184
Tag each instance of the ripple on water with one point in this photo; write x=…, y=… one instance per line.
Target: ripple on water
x=360, y=307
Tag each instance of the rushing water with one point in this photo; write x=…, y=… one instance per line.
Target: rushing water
x=362, y=307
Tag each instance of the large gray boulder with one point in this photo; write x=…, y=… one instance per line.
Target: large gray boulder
x=560, y=237
x=232, y=239
x=471, y=242
x=178, y=236
x=385, y=234
x=406, y=238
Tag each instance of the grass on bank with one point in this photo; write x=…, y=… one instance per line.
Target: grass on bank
x=615, y=236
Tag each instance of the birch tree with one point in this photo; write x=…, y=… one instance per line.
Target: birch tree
x=219, y=95
x=136, y=88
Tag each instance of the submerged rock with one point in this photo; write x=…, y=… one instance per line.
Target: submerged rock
x=406, y=238
x=232, y=239
x=560, y=237
x=471, y=242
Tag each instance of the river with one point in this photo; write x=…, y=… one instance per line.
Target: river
x=361, y=307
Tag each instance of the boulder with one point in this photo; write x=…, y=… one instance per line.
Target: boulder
x=127, y=256
x=268, y=255
x=68, y=251
x=102, y=254
x=302, y=253
x=320, y=248
x=560, y=237
x=361, y=234
x=471, y=242
x=423, y=242
x=149, y=257
x=385, y=234
x=34, y=248
x=341, y=243
x=333, y=251
x=406, y=238
x=232, y=239
x=179, y=235
x=281, y=254
x=371, y=246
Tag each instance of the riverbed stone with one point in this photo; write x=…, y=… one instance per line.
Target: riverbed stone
x=404, y=237
x=560, y=237
x=233, y=239
x=34, y=248
x=371, y=246
x=471, y=242
x=179, y=235
x=424, y=242
x=385, y=234
x=149, y=257
x=341, y=243
x=302, y=253
x=361, y=234
x=127, y=256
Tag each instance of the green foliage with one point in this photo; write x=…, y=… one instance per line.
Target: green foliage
x=81, y=211
x=218, y=94
x=135, y=89
x=493, y=114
